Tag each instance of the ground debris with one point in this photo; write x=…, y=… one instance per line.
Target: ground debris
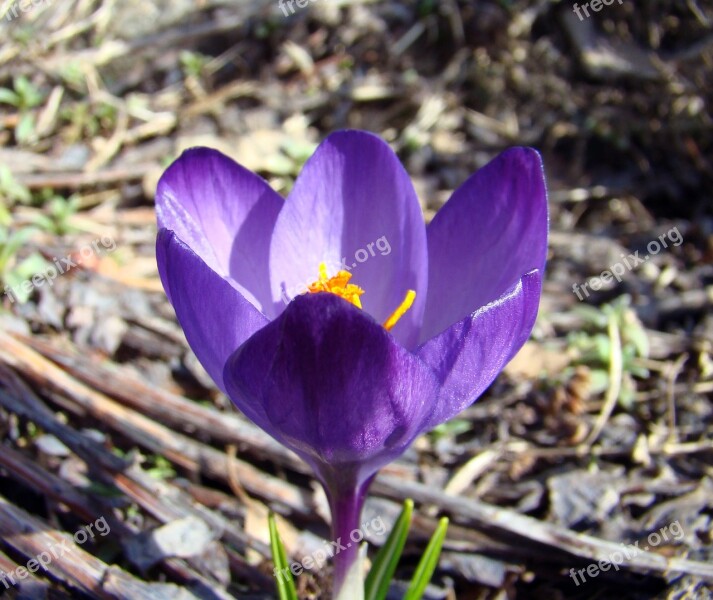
x=588, y=444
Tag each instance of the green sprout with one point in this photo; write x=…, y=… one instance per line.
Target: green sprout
x=87, y=120
x=193, y=63
x=14, y=275
x=594, y=348
x=24, y=96
x=160, y=468
x=60, y=211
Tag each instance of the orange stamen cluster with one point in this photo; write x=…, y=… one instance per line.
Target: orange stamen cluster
x=339, y=285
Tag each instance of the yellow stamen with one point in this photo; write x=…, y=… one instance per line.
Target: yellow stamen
x=339, y=285
x=400, y=311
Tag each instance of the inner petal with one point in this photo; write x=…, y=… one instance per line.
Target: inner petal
x=354, y=207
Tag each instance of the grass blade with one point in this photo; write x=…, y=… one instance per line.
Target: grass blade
x=428, y=562
x=283, y=576
x=384, y=566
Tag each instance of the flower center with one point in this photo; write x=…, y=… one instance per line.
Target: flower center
x=339, y=285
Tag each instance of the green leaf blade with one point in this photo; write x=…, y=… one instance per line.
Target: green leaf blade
x=9, y=97
x=384, y=566
x=427, y=564
x=283, y=576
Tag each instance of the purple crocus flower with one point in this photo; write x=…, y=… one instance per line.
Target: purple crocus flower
x=348, y=372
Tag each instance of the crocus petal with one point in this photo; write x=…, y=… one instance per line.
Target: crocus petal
x=467, y=356
x=354, y=201
x=328, y=381
x=225, y=214
x=215, y=317
x=490, y=233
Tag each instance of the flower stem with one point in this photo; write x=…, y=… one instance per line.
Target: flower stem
x=346, y=499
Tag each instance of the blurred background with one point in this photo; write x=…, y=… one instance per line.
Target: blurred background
x=601, y=426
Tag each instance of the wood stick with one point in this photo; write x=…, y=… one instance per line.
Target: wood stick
x=561, y=542
x=166, y=407
x=62, y=558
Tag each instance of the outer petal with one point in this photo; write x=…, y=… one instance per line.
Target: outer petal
x=490, y=233
x=329, y=382
x=467, y=356
x=354, y=201
x=215, y=317
x=225, y=214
